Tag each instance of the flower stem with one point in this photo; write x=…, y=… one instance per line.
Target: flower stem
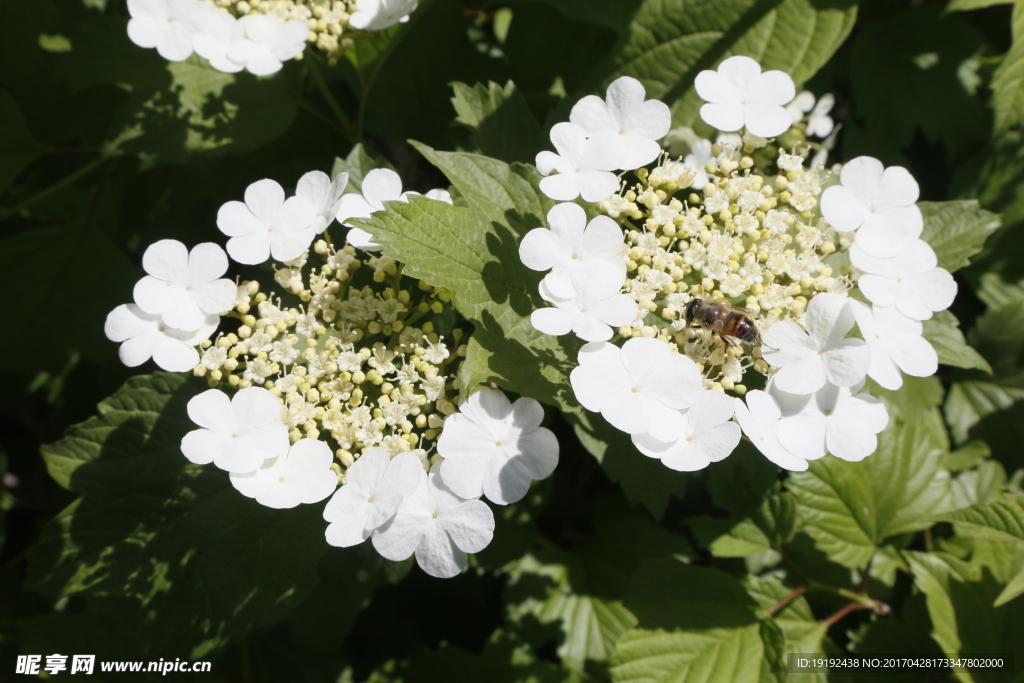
x=851, y=607
x=345, y=126
x=56, y=187
x=793, y=595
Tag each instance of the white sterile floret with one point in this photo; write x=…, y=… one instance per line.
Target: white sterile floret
x=323, y=194
x=896, y=343
x=237, y=434
x=146, y=336
x=759, y=420
x=438, y=526
x=878, y=203
x=267, y=225
x=739, y=95
x=708, y=436
x=624, y=127
x=269, y=41
x=375, y=15
x=639, y=388
x=495, y=448
x=819, y=123
x=569, y=245
x=375, y=485
x=597, y=307
x=217, y=34
x=183, y=288
x=911, y=281
x=808, y=358
x=834, y=419
x=167, y=25
x=699, y=157
x=800, y=105
x=380, y=185
x=578, y=165
x=301, y=476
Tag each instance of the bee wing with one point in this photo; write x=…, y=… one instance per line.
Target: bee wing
x=747, y=311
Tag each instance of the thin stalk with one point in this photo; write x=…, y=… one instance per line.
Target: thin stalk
x=851, y=607
x=332, y=103
x=56, y=187
x=793, y=595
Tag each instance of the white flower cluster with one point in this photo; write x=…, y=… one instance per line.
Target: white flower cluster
x=257, y=36
x=674, y=283
x=348, y=384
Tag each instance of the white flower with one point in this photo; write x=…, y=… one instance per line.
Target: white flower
x=639, y=388
x=380, y=185
x=594, y=311
x=580, y=171
x=267, y=225
x=624, y=127
x=740, y=95
x=302, y=476
x=708, y=436
x=833, y=419
x=375, y=485
x=238, y=434
x=437, y=525
x=896, y=343
x=801, y=104
x=569, y=244
x=495, y=448
x=217, y=34
x=807, y=359
x=375, y=15
x=269, y=41
x=146, y=336
x=910, y=281
x=819, y=123
x=167, y=25
x=878, y=203
x=323, y=194
x=183, y=288
x=759, y=419
x=699, y=157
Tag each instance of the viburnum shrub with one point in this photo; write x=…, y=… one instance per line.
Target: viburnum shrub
x=344, y=370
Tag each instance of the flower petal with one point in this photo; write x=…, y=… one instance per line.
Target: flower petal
x=843, y=209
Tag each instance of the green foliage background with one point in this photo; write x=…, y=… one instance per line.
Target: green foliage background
x=615, y=568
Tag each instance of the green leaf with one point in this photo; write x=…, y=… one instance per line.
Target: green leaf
x=671, y=41
x=961, y=5
x=206, y=563
x=644, y=480
x=1001, y=520
x=474, y=252
x=176, y=109
x=956, y=230
x=970, y=401
x=1013, y=589
x=697, y=624
x=18, y=148
x=850, y=508
x=582, y=591
x=357, y=164
x=960, y=597
x=943, y=332
x=1008, y=80
x=500, y=121
x=982, y=484
x=930, y=64
x=761, y=515
x=97, y=290
x=732, y=654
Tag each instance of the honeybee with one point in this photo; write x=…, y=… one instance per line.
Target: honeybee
x=729, y=322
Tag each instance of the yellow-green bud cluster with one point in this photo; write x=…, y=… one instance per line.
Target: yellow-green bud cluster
x=354, y=358
x=748, y=239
